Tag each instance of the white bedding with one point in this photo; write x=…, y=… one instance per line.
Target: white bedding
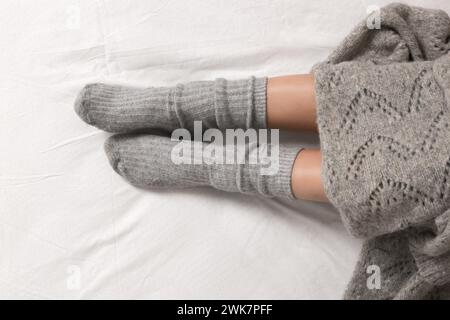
x=71, y=228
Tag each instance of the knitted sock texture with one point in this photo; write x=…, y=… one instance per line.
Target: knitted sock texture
x=383, y=118
x=222, y=104
x=146, y=161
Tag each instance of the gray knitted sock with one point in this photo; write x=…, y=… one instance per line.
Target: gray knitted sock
x=145, y=161
x=219, y=104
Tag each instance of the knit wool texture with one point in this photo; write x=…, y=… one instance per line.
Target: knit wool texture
x=383, y=119
x=146, y=161
x=218, y=104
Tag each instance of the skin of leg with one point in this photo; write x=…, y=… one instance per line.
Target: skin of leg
x=291, y=103
x=306, y=179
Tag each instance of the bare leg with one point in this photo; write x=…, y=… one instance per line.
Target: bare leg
x=291, y=105
x=306, y=180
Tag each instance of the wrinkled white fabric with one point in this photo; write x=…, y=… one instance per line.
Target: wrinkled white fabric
x=71, y=228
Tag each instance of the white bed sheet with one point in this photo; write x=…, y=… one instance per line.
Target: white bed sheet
x=71, y=228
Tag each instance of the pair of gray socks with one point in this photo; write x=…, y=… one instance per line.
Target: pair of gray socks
x=145, y=159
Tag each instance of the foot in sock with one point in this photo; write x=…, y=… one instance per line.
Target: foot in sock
x=146, y=161
x=219, y=104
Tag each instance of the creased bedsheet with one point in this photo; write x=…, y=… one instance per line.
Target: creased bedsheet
x=71, y=228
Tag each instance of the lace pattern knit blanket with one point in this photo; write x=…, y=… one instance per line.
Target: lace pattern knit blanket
x=384, y=124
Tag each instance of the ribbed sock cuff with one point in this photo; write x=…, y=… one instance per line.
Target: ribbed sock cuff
x=260, y=102
x=240, y=103
x=288, y=154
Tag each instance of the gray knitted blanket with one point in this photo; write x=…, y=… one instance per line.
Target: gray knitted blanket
x=383, y=118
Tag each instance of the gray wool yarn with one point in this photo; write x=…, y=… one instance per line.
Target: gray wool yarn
x=384, y=121
x=218, y=104
x=146, y=161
